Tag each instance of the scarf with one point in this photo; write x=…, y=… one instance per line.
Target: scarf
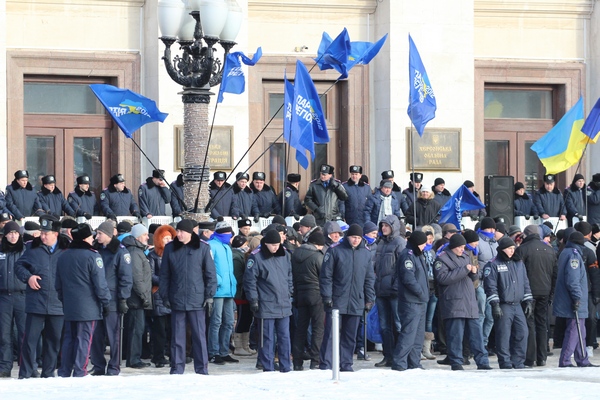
x=369, y=240
x=489, y=235
x=224, y=238
x=386, y=207
x=475, y=250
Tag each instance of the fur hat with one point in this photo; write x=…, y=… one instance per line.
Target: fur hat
x=116, y=179
x=242, y=175
x=83, y=180
x=356, y=169
x=416, y=177
x=158, y=173
x=48, y=179
x=258, y=176
x=219, y=176
x=50, y=223
x=389, y=174
x=124, y=227
x=81, y=232
x=293, y=178
x=326, y=169
x=22, y=173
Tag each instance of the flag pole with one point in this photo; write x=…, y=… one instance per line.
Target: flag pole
x=205, y=158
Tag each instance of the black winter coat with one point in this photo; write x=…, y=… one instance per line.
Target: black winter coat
x=540, y=263
x=38, y=260
x=524, y=206
x=83, y=202
x=153, y=198
x=187, y=275
x=347, y=278
x=222, y=203
x=574, y=201
x=441, y=197
x=20, y=201
x=239, y=267
x=141, y=290
x=118, y=203
x=306, y=269
x=268, y=282
x=456, y=295
x=9, y=254
x=387, y=254
x=266, y=200
x=81, y=283
x=117, y=269
x=245, y=202
x=593, y=202
x=427, y=212
x=323, y=200
x=506, y=280
x=293, y=205
x=177, y=199
x=158, y=306
x=53, y=203
x=413, y=282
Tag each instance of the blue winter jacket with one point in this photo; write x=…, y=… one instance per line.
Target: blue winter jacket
x=413, y=282
x=505, y=280
x=551, y=203
x=38, y=260
x=9, y=254
x=352, y=209
x=347, y=277
x=593, y=203
x=81, y=283
x=222, y=203
x=574, y=201
x=571, y=283
x=83, y=202
x=223, y=258
x=524, y=206
x=117, y=203
x=20, y=201
x=387, y=254
x=117, y=271
x=177, y=199
x=245, y=203
x=53, y=203
x=266, y=200
x=187, y=275
x=373, y=206
x=153, y=198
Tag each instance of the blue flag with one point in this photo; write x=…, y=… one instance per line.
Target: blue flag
x=421, y=100
x=461, y=200
x=341, y=54
x=308, y=121
x=288, y=106
x=129, y=110
x=233, y=80
x=591, y=126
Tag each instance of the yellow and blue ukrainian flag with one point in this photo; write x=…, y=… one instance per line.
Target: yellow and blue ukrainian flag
x=564, y=144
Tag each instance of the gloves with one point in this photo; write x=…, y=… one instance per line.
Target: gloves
x=123, y=308
x=596, y=300
x=296, y=217
x=575, y=306
x=497, y=311
x=256, y=218
x=254, y=307
x=536, y=217
x=243, y=216
x=105, y=311
x=87, y=215
x=328, y=303
x=528, y=309
x=527, y=216
x=112, y=216
x=474, y=218
x=137, y=214
x=146, y=304
x=368, y=307
x=266, y=215
x=208, y=306
x=167, y=304
x=334, y=184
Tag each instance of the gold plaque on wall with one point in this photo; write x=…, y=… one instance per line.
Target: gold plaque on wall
x=437, y=150
x=220, y=150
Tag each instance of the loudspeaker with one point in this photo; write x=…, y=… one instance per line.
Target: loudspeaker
x=500, y=198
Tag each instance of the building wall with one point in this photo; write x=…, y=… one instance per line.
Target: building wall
x=3, y=105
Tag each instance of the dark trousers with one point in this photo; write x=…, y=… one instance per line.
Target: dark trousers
x=135, y=322
x=537, y=324
x=459, y=329
x=348, y=327
x=75, y=351
x=511, y=334
x=52, y=325
x=572, y=345
x=109, y=327
x=275, y=328
x=407, y=353
x=159, y=337
x=591, y=323
x=196, y=320
x=12, y=313
x=314, y=316
x=389, y=324
x=244, y=318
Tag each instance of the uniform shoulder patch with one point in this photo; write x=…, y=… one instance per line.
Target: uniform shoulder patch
x=487, y=271
x=335, y=245
x=574, y=263
x=408, y=264
x=127, y=258
x=327, y=257
x=437, y=265
x=140, y=191
x=250, y=263
x=204, y=241
x=99, y=262
x=102, y=196
x=410, y=252
x=288, y=193
x=256, y=250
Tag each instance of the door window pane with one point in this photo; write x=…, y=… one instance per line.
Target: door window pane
x=534, y=169
x=60, y=98
x=320, y=158
x=276, y=105
x=277, y=166
x=532, y=104
x=496, y=158
x=87, y=159
x=40, y=158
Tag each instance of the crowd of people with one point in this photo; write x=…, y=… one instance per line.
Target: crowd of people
x=194, y=292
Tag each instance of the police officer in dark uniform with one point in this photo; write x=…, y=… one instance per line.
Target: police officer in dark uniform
x=507, y=289
x=575, y=199
x=269, y=288
x=177, y=200
x=245, y=200
x=51, y=200
x=266, y=200
x=12, y=296
x=389, y=175
x=188, y=283
x=20, y=197
x=358, y=193
x=413, y=296
x=524, y=206
x=154, y=195
x=37, y=268
x=119, y=278
x=81, y=287
x=442, y=195
x=82, y=200
x=323, y=195
x=347, y=283
x=293, y=205
x=548, y=200
x=411, y=192
x=117, y=200
x=222, y=201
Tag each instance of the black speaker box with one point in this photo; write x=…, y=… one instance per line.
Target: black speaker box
x=500, y=198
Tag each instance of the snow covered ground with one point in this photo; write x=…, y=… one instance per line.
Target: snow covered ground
x=242, y=381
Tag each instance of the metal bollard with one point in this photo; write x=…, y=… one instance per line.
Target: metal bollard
x=335, y=344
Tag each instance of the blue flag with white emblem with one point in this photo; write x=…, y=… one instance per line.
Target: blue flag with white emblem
x=421, y=101
x=130, y=110
x=288, y=106
x=233, y=80
x=461, y=200
x=308, y=121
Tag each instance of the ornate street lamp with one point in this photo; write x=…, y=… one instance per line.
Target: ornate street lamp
x=197, y=26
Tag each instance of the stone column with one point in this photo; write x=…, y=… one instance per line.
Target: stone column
x=196, y=129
